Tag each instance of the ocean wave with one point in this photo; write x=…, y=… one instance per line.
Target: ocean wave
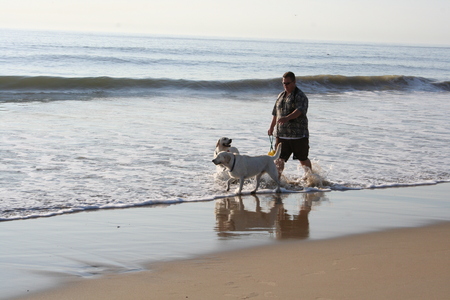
x=13, y=88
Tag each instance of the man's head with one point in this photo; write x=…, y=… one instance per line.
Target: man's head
x=289, y=82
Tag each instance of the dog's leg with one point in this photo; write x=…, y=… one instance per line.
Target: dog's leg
x=241, y=185
x=278, y=190
x=228, y=183
x=258, y=180
x=274, y=175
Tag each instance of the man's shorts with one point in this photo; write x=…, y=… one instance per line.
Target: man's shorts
x=300, y=148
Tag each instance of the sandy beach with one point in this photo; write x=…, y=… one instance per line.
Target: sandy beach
x=370, y=244
x=408, y=263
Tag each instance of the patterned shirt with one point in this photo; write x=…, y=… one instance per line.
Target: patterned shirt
x=295, y=128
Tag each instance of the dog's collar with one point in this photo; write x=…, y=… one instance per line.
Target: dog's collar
x=234, y=162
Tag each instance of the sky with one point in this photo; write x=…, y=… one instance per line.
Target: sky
x=383, y=21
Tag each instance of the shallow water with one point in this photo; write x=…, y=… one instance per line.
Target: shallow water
x=65, y=156
x=96, y=121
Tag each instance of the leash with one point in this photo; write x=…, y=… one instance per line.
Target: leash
x=272, y=151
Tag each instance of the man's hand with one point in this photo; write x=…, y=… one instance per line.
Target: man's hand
x=283, y=120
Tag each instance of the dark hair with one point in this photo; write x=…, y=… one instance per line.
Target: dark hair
x=289, y=75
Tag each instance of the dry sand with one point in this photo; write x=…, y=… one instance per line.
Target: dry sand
x=410, y=263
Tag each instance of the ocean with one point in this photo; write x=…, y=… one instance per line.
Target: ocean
x=99, y=123
x=93, y=121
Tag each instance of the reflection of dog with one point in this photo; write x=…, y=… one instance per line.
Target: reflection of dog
x=234, y=218
x=233, y=215
x=243, y=167
x=224, y=144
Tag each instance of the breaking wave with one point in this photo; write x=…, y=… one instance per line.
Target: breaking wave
x=15, y=88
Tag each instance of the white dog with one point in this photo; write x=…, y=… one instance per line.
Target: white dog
x=242, y=167
x=224, y=144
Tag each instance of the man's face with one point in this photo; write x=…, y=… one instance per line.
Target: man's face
x=288, y=84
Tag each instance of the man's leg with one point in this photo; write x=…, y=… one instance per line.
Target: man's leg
x=306, y=163
x=279, y=163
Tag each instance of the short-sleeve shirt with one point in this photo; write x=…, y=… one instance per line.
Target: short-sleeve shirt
x=295, y=128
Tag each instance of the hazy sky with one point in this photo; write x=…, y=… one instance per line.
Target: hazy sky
x=399, y=21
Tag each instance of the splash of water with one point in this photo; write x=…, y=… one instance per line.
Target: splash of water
x=317, y=177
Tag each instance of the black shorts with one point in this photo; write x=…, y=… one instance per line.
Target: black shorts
x=300, y=148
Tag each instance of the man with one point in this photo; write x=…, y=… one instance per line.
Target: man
x=289, y=117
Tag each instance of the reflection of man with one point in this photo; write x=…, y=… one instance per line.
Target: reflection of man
x=294, y=226
x=291, y=123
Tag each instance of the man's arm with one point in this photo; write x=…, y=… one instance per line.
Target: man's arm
x=272, y=125
x=295, y=114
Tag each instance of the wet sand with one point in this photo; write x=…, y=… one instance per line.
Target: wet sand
x=367, y=244
x=408, y=263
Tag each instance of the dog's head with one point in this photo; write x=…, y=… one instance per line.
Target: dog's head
x=223, y=158
x=224, y=141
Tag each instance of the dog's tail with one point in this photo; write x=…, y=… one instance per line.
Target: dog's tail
x=277, y=154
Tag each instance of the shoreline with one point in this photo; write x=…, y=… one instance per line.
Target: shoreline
x=48, y=255
x=408, y=263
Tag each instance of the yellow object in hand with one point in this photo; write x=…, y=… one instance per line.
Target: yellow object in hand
x=272, y=151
